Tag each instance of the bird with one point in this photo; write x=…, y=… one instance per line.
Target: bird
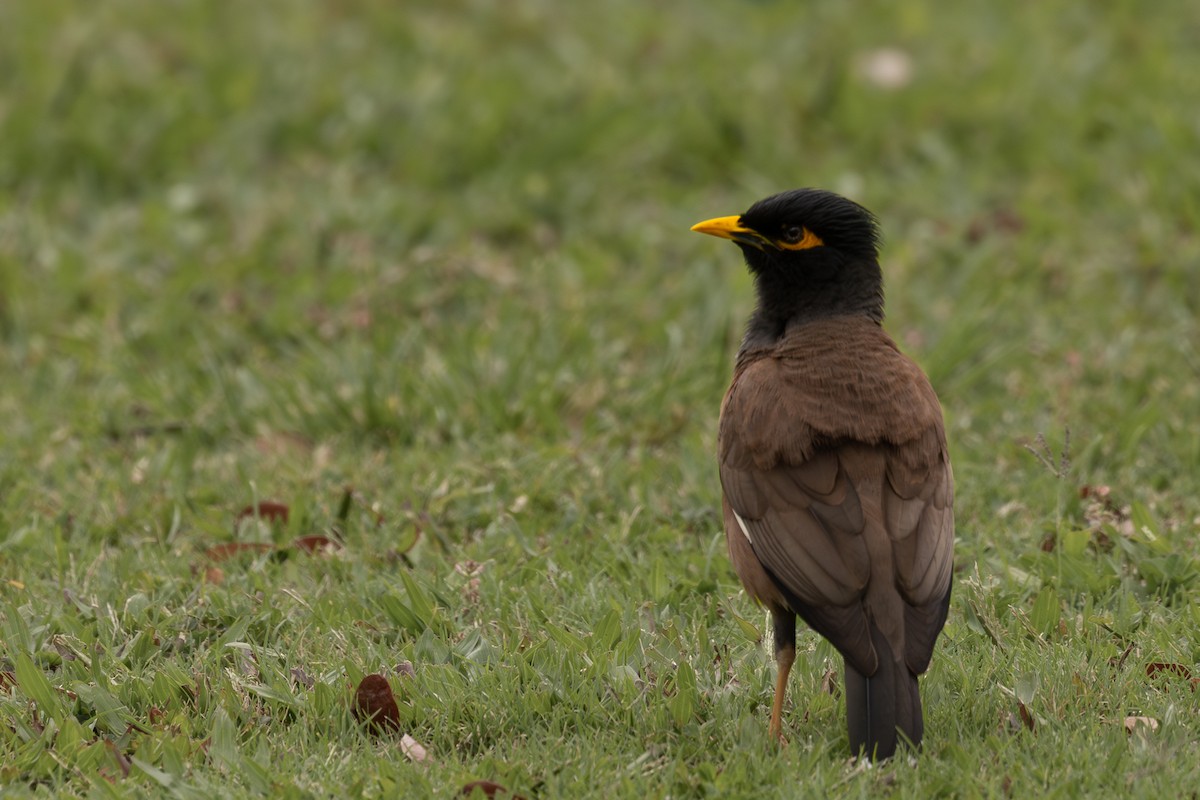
x=837, y=489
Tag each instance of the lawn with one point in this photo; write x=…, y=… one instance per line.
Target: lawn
x=421, y=276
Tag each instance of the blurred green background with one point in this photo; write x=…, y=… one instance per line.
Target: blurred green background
x=423, y=273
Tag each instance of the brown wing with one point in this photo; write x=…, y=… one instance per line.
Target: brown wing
x=836, y=469
x=918, y=506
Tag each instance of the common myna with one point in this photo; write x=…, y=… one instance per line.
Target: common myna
x=838, y=494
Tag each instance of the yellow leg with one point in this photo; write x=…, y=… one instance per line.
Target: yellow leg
x=785, y=656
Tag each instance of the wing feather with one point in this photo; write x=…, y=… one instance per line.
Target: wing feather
x=815, y=458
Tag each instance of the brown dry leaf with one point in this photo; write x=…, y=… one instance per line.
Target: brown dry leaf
x=413, y=749
x=214, y=575
x=375, y=705
x=488, y=789
x=227, y=550
x=1158, y=668
x=1148, y=724
x=1026, y=716
x=8, y=679
x=317, y=544
x=267, y=510
x=1179, y=670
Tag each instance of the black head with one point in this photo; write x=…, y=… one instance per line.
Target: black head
x=813, y=254
x=785, y=225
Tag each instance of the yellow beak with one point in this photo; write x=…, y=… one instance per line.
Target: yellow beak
x=731, y=228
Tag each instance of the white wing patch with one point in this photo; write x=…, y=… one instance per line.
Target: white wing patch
x=742, y=524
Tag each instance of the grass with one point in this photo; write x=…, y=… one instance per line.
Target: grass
x=424, y=274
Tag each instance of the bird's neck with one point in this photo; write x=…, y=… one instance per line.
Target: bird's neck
x=786, y=299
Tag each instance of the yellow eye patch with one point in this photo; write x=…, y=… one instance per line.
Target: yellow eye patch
x=808, y=240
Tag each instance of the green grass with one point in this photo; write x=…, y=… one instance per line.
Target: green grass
x=439, y=256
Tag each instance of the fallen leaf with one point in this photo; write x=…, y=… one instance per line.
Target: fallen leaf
x=488, y=789
x=413, y=749
x=1026, y=717
x=1158, y=668
x=1179, y=670
x=227, y=550
x=375, y=705
x=214, y=575
x=1133, y=723
x=268, y=510
x=316, y=543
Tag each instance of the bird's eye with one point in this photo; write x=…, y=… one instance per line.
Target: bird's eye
x=793, y=234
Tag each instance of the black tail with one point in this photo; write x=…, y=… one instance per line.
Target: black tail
x=879, y=706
